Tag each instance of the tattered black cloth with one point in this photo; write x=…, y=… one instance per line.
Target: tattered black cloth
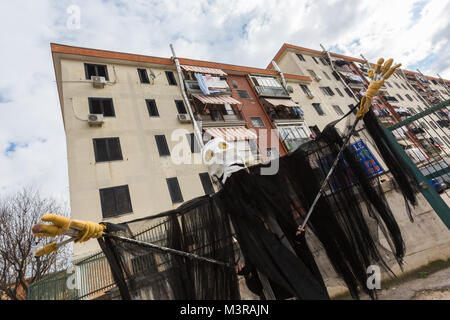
x=265, y=211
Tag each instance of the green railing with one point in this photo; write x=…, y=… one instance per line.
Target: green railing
x=92, y=279
x=426, y=151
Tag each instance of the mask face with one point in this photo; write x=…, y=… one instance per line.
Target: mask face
x=222, y=158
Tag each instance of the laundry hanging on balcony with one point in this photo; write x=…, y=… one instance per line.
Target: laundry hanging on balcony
x=203, y=85
x=216, y=100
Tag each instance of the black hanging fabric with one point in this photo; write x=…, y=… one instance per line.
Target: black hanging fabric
x=265, y=212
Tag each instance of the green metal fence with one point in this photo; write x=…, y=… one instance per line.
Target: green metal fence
x=423, y=141
x=93, y=278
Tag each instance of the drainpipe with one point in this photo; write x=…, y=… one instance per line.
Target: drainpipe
x=197, y=132
x=339, y=75
x=283, y=81
x=445, y=83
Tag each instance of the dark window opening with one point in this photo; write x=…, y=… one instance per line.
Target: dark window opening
x=162, y=145
x=115, y=201
x=102, y=106
x=96, y=70
x=143, y=76
x=174, y=190
x=206, y=183
x=257, y=122
x=180, y=107
x=339, y=92
x=306, y=90
x=300, y=57
x=347, y=90
x=171, y=78
x=318, y=109
x=315, y=60
x=193, y=144
x=243, y=94
x=336, y=76
x=152, y=108
x=107, y=149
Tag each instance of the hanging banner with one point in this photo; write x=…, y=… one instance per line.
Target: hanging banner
x=371, y=165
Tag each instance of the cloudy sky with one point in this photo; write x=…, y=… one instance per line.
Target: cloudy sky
x=32, y=139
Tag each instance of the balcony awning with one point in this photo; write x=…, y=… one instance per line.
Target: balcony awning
x=282, y=102
x=204, y=70
x=216, y=100
x=232, y=133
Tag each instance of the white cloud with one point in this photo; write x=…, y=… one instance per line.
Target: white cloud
x=413, y=32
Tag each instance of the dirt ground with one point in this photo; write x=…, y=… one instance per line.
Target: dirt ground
x=424, y=286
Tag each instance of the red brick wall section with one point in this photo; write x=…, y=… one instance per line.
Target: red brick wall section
x=253, y=108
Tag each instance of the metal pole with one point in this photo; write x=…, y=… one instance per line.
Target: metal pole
x=324, y=183
x=168, y=250
x=197, y=131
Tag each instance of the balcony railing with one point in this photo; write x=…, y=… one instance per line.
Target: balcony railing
x=193, y=88
x=215, y=116
x=288, y=114
x=271, y=91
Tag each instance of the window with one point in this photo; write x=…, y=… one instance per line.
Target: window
x=253, y=147
x=95, y=70
x=152, y=108
x=324, y=62
x=338, y=110
x=404, y=86
x=388, y=84
x=446, y=139
x=315, y=60
x=318, y=109
x=161, y=143
x=195, y=148
x=301, y=58
x=174, y=190
x=171, y=78
x=107, y=149
x=266, y=82
x=180, y=106
x=272, y=152
x=143, y=75
x=206, y=183
x=433, y=124
x=257, y=122
x=326, y=75
x=420, y=109
x=339, y=92
x=102, y=106
x=314, y=75
x=409, y=97
x=349, y=93
x=400, y=97
x=396, y=84
x=115, y=201
x=306, y=90
x=336, y=76
x=327, y=91
x=243, y=94
x=412, y=111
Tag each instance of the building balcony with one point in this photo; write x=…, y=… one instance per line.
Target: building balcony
x=271, y=92
x=214, y=117
x=356, y=85
x=192, y=87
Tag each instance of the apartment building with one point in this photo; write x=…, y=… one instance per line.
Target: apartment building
x=404, y=94
x=128, y=127
x=131, y=147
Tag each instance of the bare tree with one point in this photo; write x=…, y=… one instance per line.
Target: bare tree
x=18, y=266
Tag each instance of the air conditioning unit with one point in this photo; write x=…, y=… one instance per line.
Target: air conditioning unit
x=290, y=89
x=184, y=117
x=98, y=82
x=95, y=120
x=310, y=96
x=317, y=78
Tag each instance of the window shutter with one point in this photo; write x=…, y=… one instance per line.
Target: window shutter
x=174, y=190
x=206, y=183
x=108, y=202
x=123, y=200
x=180, y=106
x=115, y=153
x=108, y=109
x=152, y=108
x=195, y=148
x=100, y=150
x=161, y=143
